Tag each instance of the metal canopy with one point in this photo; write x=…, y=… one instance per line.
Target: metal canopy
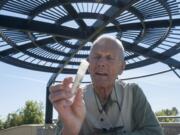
x=48, y=35
x=54, y=35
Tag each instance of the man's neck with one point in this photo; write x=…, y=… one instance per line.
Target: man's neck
x=103, y=93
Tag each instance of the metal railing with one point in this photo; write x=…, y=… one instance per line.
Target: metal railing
x=176, y=119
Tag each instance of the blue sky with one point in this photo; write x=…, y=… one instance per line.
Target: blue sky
x=19, y=85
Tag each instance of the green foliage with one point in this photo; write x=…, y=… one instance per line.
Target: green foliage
x=13, y=119
x=32, y=113
x=1, y=124
x=167, y=112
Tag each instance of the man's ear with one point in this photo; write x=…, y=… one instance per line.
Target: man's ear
x=122, y=67
x=87, y=59
x=88, y=66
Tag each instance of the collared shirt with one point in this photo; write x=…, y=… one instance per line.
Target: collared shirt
x=116, y=116
x=134, y=117
x=96, y=116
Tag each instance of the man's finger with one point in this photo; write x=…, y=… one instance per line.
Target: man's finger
x=62, y=105
x=55, y=88
x=59, y=87
x=67, y=81
x=79, y=98
x=61, y=95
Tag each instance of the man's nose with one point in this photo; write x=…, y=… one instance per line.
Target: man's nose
x=102, y=61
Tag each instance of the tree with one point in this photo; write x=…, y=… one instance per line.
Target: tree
x=1, y=124
x=32, y=113
x=167, y=112
x=13, y=119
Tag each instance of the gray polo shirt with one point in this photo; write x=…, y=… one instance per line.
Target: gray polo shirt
x=127, y=112
x=111, y=117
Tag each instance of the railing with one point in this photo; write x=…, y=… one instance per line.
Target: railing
x=168, y=116
x=176, y=119
x=170, y=128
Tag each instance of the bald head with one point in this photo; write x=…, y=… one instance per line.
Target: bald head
x=110, y=42
x=106, y=61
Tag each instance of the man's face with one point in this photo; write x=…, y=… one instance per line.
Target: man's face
x=105, y=63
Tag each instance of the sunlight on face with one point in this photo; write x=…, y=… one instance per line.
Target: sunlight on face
x=105, y=62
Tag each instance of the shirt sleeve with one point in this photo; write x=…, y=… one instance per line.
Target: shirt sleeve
x=59, y=126
x=144, y=121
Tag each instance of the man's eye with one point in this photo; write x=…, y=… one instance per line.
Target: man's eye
x=109, y=57
x=97, y=57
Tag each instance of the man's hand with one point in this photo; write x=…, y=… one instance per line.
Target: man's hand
x=71, y=111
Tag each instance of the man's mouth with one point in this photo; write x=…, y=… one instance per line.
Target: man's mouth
x=101, y=74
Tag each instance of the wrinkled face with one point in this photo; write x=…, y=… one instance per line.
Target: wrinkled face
x=105, y=63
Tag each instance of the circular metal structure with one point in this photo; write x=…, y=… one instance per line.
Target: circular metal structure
x=54, y=35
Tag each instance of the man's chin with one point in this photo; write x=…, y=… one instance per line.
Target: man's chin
x=101, y=82
x=101, y=77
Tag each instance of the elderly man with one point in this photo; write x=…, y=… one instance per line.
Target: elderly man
x=107, y=106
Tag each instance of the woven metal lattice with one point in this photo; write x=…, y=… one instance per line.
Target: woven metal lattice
x=54, y=35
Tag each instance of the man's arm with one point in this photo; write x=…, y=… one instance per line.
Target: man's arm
x=143, y=118
x=144, y=121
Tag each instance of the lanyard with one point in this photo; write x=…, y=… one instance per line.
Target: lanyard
x=102, y=108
